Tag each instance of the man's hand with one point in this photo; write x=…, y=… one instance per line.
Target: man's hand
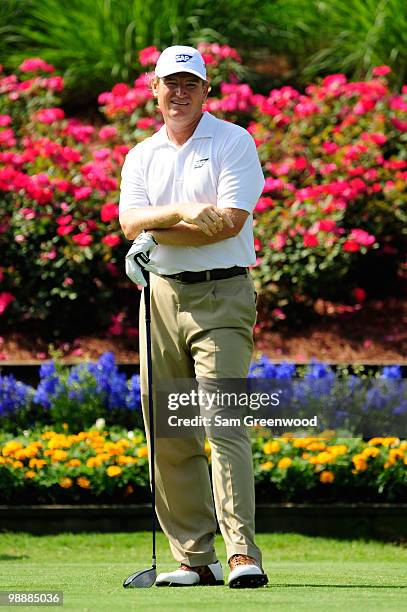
x=208, y=218
x=138, y=258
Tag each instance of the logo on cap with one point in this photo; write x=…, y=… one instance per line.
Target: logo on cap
x=182, y=57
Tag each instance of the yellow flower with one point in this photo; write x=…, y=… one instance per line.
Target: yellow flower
x=375, y=441
x=83, y=482
x=65, y=483
x=266, y=466
x=74, y=463
x=324, y=457
x=337, y=449
x=37, y=463
x=390, y=441
x=142, y=451
x=113, y=470
x=30, y=474
x=316, y=446
x=327, y=476
x=125, y=459
x=59, y=455
x=2, y=460
x=360, y=463
x=24, y=453
x=11, y=447
x=284, y=463
x=396, y=453
x=370, y=451
x=403, y=445
x=208, y=448
x=271, y=447
x=18, y=464
x=59, y=441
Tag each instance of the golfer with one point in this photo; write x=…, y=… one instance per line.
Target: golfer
x=187, y=197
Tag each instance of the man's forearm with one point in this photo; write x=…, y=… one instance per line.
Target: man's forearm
x=185, y=234
x=135, y=220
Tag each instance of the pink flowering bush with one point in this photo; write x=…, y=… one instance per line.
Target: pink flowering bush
x=329, y=223
x=61, y=244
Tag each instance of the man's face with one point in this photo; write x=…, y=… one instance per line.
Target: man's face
x=180, y=96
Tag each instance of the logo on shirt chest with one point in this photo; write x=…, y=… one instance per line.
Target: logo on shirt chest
x=200, y=162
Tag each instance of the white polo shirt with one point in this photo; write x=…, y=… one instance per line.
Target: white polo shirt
x=218, y=165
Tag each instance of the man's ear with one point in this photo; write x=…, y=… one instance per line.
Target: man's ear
x=154, y=86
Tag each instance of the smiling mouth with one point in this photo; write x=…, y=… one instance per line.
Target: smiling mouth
x=180, y=103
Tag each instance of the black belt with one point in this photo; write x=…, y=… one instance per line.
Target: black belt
x=206, y=275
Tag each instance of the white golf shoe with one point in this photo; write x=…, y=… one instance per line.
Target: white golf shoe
x=245, y=573
x=210, y=575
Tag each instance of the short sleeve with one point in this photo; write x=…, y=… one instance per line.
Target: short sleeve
x=133, y=193
x=241, y=179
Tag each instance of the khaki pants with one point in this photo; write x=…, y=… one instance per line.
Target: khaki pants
x=204, y=330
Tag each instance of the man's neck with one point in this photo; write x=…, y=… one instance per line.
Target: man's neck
x=179, y=134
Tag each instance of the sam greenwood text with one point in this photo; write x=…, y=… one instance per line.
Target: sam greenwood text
x=248, y=420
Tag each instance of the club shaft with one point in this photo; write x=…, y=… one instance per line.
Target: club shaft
x=147, y=305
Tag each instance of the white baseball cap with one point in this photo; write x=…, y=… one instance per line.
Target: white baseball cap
x=180, y=59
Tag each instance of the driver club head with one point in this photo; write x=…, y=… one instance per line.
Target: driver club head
x=141, y=580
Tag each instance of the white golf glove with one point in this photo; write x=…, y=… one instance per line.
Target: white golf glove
x=138, y=258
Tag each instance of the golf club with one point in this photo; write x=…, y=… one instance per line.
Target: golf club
x=147, y=577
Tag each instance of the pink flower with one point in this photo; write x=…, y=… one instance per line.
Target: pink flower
x=68, y=281
x=399, y=124
x=82, y=239
x=33, y=64
x=149, y=56
x=64, y=219
x=49, y=115
x=350, y=246
x=109, y=211
x=120, y=89
x=278, y=243
x=362, y=237
x=263, y=204
x=63, y=230
x=145, y=123
x=107, y=132
x=82, y=193
x=5, y=120
x=111, y=240
x=310, y=240
x=5, y=299
x=326, y=225
x=381, y=70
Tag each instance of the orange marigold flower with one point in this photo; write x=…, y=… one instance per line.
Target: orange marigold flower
x=360, y=463
x=74, y=462
x=327, y=476
x=11, y=447
x=113, y=470
x=59, y=455
x=370, y=451
x=37, y=463
x=266, y=466
x=30, y=474
x=284, y=463
x=143, y=451
x=324, y=457
x=337, y=449
x=18, y=464
x=83, y=482
x=316, y=446
x=65, y=483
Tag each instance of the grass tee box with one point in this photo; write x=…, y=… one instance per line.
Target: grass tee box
x=90, y=568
